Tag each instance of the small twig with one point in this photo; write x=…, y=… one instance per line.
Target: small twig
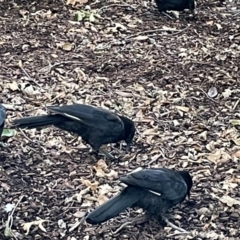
x=75, y=225
x=116, y=5
x=164, y=13
x=235, y=105
x=176, y=33
x=158, y=30
x=10, y=219
x=154, y=160
x=174, y=226
x=121, y=227
x=207, y=95
x=177, y=234
x=137, y=220
x=25, y=135
x=25, y=72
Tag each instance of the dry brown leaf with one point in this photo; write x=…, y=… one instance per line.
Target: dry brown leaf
x=102, y=164
x=141, y=38
x=99, y=171
x=112, y=174
x=214, y=157
x=229, y=201
x=183, y=109
x=79, y=214
x=151, y=131
x=13, y=86
x=236, y=141
x=102, y=199
x=67, y=46
x=93, y=186
x=235, y=180
x=224, y=156
x=5, y=186
x=78, y=196
x=73, y=2
x=124, y=94
x=38, y=222
x=139, y=114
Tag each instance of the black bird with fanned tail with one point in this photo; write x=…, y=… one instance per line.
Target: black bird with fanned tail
x=155, y=190
x=175, y=5
x=96, y=126
x=2, y=119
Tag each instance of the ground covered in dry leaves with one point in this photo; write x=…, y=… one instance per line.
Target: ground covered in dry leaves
x=177, y=78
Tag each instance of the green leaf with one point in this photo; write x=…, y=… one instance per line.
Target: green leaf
x=7, y=133
x=79, y=16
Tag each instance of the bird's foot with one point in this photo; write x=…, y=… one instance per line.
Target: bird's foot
x=166, y=216
x=107, y=154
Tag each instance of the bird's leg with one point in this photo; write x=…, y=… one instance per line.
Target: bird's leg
x=128, y=148
x=107, y=154
x=166, y=216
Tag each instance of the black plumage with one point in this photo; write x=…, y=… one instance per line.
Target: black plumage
x=154, y=190
x=175, y=5
x=2, y=119
x=96, y=126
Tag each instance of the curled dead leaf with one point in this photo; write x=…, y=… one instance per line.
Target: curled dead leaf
x=99, y=171
x=229, y=201
x=93, y=186
x=38, y=222
x=102, y=198
x=112, y=175
x=214, y=157
x=13, y=86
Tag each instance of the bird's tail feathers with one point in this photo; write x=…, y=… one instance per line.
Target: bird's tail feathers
x=36, y=122
x=127, y=198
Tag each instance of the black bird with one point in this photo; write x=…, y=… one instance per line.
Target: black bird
x=175, y=5
x=155, y=190
x=2, y=119
x=96, y=126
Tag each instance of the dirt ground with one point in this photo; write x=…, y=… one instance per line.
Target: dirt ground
x=178, y=78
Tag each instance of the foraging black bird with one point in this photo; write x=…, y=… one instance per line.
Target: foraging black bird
x=96, y=126
x=155, y=190
x=2, y=119
x=175, y=5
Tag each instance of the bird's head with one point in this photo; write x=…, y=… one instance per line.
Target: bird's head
x=129, y=130
x=188, y=180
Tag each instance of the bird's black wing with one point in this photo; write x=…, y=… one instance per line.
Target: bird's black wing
x=165, y=182
x=177, y=5
x=96, y=118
